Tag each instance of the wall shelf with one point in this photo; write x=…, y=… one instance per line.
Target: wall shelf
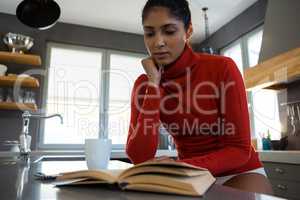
x=9, y=81
x=275, y=73
x=18, y=106
x=26, y=59
x=23, y=81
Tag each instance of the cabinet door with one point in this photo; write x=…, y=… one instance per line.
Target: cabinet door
x=286, y=189
x=282, y=171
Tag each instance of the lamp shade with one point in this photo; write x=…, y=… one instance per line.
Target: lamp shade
x=40, y=14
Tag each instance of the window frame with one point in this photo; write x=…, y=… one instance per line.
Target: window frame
x=109, y=53
x=243, y=40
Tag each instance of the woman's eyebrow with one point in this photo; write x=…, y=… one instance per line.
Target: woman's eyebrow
x=168, y=25
x=163, y=26
x=148, y=27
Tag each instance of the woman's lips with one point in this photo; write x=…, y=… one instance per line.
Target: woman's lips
x=161, y=55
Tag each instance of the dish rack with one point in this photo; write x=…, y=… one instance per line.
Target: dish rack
x=293, y=113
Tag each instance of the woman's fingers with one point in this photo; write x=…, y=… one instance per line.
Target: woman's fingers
x=151, y=70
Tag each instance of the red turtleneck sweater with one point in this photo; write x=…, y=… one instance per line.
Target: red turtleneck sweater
x=201, y=101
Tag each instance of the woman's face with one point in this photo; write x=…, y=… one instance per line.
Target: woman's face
x=164, y=35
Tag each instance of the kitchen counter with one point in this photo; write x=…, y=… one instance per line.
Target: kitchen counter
x=18, y=182
x=115, y=154
x=291, y=157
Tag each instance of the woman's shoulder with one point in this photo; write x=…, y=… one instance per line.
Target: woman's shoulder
x=212, y=59
x=216, y=67
x=215, y=63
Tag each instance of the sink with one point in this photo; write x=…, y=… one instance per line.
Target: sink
x=61, y=158
x=9, y=157
x=8, y=161
x=12, y=158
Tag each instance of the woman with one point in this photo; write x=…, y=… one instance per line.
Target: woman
x=200, y=99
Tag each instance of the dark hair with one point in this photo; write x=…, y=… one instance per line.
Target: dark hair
x=178, y=8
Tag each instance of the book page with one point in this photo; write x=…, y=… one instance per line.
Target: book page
x=110, y=176
x=168, y=163
x=160, y=189
x=77, y=181
x=162, y=169
x=167, y=183
x=165, y=167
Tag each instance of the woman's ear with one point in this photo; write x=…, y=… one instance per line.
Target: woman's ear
x=189, y=32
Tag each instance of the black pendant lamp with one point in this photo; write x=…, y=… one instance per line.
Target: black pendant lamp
x=40, y=14
x=206, y=49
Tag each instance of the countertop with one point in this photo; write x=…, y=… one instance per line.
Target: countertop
x=18, y=182
x=292, y=157
x=115, y=154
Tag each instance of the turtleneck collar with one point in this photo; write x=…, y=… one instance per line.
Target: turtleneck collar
x=181, y=64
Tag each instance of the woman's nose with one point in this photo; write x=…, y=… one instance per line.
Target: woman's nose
x=159, y=41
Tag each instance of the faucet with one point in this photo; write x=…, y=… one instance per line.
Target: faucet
x=25, y=138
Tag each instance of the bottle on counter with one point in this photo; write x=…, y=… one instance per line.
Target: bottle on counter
x=266, y=141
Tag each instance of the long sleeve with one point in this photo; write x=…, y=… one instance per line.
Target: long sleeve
x=235, y=148
x=142, y=140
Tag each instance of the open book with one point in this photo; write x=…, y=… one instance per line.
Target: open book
x=152, y=176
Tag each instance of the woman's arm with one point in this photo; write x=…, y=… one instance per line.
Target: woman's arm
x=236, y=142
x=142, y=138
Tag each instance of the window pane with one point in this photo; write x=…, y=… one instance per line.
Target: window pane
x=266, y=114
x=73, y=91
x=124, y=70
x=235, y=52
x=265, y=104
x=254, y=46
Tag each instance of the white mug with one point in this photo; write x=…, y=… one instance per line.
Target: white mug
x=97, y=153
x=3, y=70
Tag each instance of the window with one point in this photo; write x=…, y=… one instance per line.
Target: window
x=235, y=52
x=91, y=88
x=73, y=91
x=263, y=105
x=124, y=70
x=266, y=113
x=254, y=46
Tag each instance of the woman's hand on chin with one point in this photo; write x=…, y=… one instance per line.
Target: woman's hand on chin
x=153, y=72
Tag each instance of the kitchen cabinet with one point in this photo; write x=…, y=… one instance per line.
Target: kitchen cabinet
x=275, y=73
x=285, y=179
